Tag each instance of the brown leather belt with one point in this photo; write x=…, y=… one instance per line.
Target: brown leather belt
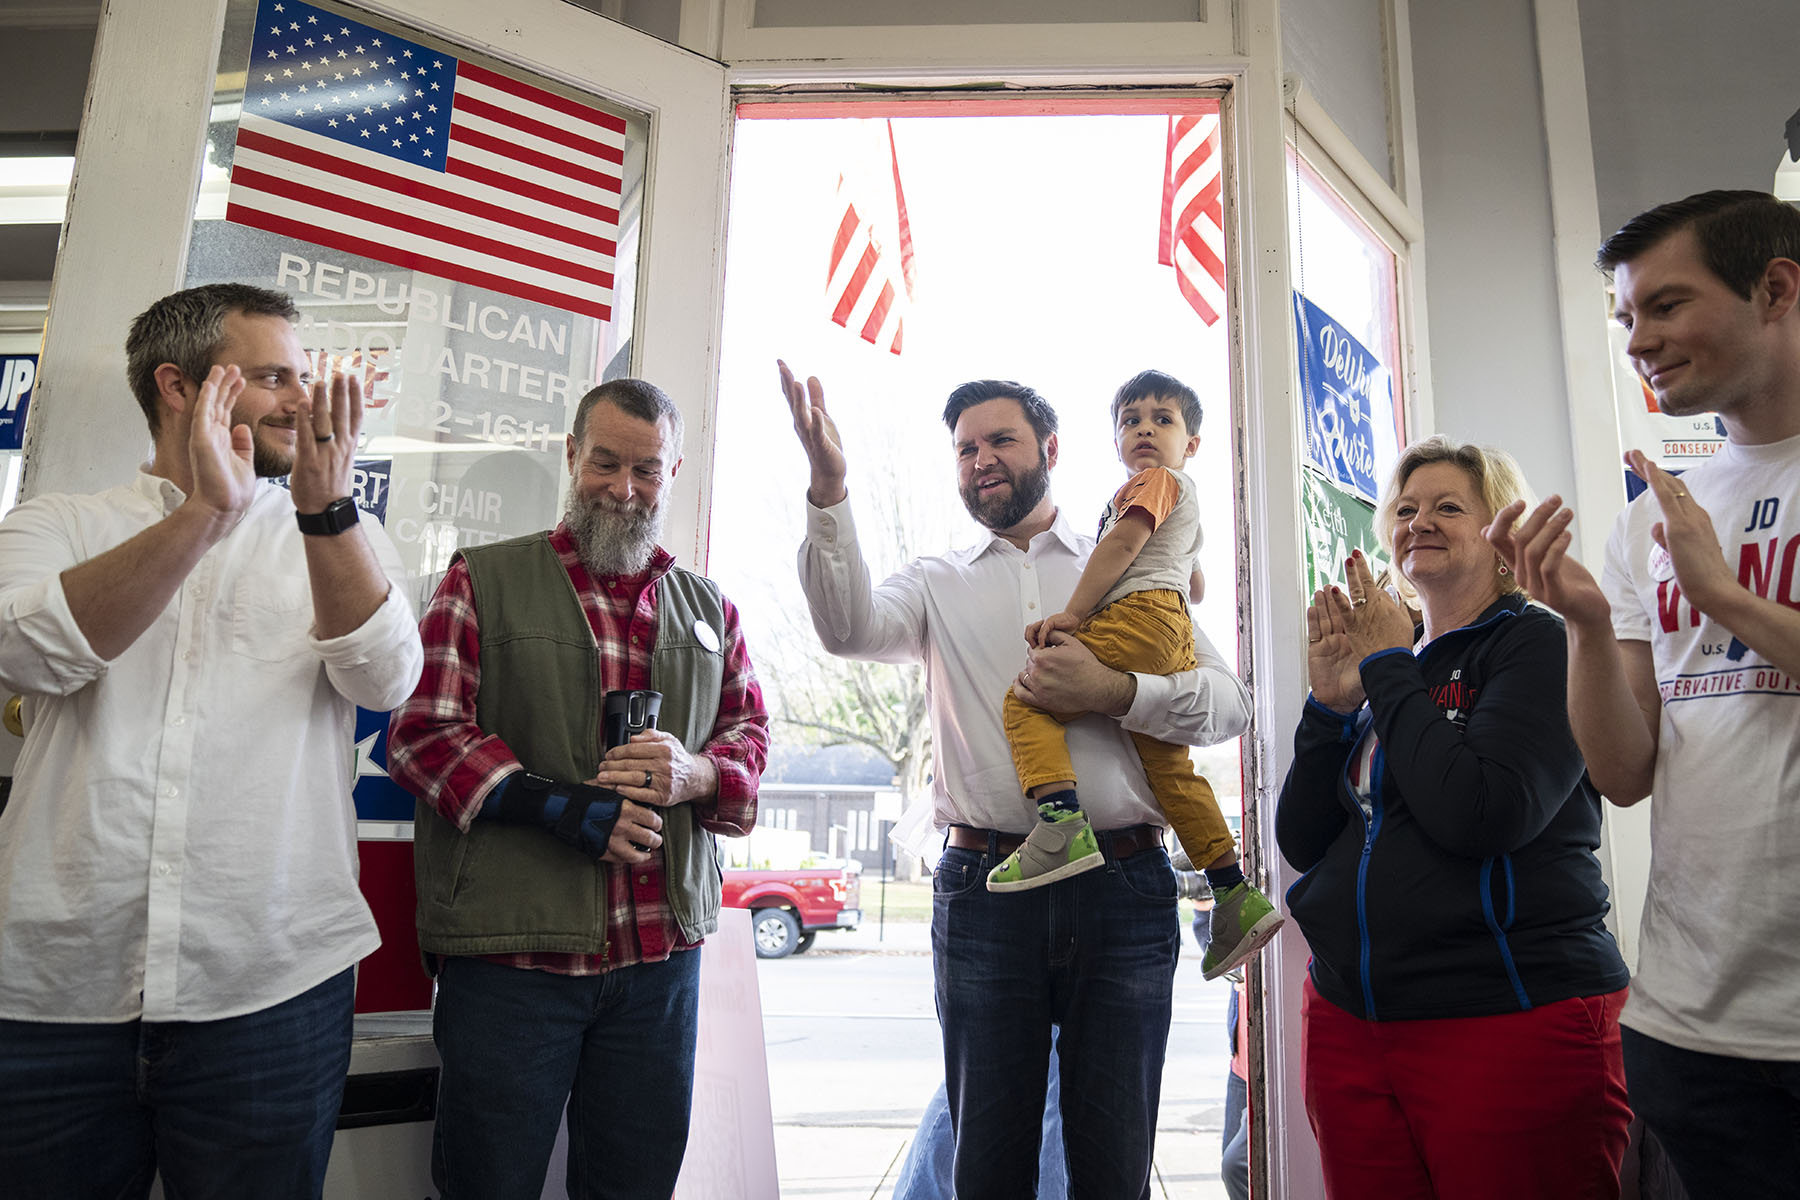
x=1114, y=843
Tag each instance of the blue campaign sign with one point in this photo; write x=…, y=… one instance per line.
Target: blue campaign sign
x=18, y=375
x=1348, y=401
x=369, y=480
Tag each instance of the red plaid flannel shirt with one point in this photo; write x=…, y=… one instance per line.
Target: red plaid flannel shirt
x=436, y=751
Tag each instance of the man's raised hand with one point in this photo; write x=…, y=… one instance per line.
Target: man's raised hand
x=327, y=424
x=818, y=437
x=220, y=453
x=1537, y=552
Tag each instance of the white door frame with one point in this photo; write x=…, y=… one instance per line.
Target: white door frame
x=1238, y=46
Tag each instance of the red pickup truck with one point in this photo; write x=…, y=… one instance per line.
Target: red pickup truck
x=788, y=908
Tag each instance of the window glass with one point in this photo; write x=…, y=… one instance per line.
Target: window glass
x=1348, y=367
x=464, y=231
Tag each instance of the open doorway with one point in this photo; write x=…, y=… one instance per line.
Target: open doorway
x=1012, y=238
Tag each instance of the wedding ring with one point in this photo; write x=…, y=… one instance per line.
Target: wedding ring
x=1359, y=602
x=323, y=437
x=1679, y=495
x=647, y=779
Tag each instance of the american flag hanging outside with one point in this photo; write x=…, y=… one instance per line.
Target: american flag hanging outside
x=361, y=141
x=869, y=283
x=1193, y=214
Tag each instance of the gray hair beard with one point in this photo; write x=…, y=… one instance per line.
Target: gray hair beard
x=612, y=538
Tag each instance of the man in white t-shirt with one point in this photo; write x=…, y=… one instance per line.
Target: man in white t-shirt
x=1684, y=681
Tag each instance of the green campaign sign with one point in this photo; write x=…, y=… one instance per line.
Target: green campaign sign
x=1337, y=522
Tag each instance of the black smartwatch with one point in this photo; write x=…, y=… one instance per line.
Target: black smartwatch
x=338, y=516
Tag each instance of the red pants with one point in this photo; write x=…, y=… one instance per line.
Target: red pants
x=1526, y=1104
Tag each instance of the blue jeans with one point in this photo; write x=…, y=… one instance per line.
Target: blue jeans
x=925, y=1175
x=1093, y=955
x=516, y=1045
x=1731, y=1126
x=1234, y=1152
x=245, y=1106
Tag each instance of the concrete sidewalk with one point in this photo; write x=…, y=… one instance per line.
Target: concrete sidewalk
x=850, y=1161
x=896, y=937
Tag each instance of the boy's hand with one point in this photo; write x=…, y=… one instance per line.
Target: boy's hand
x=1038, y=632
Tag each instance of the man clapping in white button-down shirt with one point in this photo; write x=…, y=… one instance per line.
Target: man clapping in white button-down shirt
x=179, y=912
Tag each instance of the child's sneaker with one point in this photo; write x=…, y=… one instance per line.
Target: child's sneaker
x=1060, y=845
x=1242, y=921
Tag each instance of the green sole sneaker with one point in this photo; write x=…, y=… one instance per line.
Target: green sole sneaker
x=1243, y=920
x=1053, y=850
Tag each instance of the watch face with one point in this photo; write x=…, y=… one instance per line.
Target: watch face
x=338, y=516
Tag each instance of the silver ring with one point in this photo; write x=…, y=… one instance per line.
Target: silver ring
x=647, y=779
x=1359, y=602
x=323, y=437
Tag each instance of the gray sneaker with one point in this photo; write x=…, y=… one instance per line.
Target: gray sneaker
x=1059, y=846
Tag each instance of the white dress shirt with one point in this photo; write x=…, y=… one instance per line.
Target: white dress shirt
x=181, y=843
x=963, y=615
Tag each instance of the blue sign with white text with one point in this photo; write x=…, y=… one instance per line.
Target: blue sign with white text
x=1347, y=397
x=369, y=480
x=18, y=375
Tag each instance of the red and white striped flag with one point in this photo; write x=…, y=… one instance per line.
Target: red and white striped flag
x=869, y=282
x=1193, y=214
x=361, y=141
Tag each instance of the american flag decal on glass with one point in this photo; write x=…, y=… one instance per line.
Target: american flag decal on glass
x=361, y=141
x=1193, y=214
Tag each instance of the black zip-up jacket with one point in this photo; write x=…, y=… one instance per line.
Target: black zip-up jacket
x=1471, y=887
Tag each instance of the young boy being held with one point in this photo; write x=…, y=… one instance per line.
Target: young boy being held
x=1131, y=609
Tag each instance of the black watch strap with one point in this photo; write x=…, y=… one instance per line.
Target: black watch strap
x=338, y=516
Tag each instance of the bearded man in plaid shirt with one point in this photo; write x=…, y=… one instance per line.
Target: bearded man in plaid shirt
x=564, y=889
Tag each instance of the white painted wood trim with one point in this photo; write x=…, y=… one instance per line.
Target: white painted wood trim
x=1342, y=166
x=702, y=28
x=1330, y=138
x=1270, y=577
x=954, y=48
x=124, y=241
x=1581, y=291
x=1588, y=376
x=1403, y=140
x=1403, y=109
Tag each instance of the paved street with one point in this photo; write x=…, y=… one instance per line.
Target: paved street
x=853, y=1050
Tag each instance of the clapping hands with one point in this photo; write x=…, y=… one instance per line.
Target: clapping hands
x=1342, y=630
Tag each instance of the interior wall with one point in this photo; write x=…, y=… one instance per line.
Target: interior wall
x=1683, y=98
x=1338, y=49
x=1496, y=341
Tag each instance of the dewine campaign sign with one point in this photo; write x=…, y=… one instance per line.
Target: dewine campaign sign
x=1348, y=400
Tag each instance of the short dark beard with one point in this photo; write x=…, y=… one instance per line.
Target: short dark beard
x=1028, y=489
x=268, y=462
x=612, y=538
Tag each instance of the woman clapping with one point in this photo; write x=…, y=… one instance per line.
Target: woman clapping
x=1461, y=1015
